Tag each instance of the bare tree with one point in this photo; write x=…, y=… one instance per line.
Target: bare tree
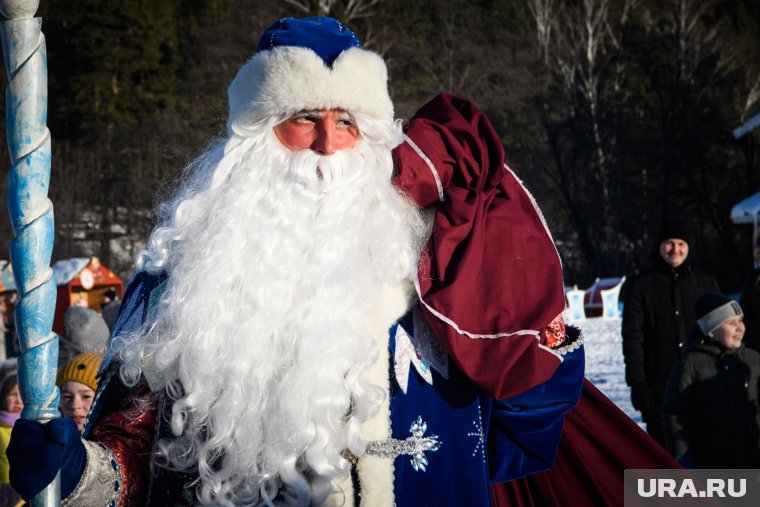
x=544, y=13
x=699, y=64
x=347, y=10
x=751, y=96
x=578, y=44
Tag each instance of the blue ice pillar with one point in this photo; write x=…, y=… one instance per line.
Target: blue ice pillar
x=31, y=214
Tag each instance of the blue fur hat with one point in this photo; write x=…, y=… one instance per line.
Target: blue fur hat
x=303, y=64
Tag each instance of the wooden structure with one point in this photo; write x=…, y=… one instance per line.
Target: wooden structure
x=85, y=282
x=748, y=212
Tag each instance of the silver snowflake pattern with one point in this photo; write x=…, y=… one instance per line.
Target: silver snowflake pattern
x=415, y=446
x=422, y=444
x=480, y=444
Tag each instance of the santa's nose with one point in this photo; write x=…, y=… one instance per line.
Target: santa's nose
x=325, y=139
x=330, y=134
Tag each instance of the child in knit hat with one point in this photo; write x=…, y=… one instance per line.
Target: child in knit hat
x=78, y=385
x=711, y=410
x=11, y=406
x=86, y=331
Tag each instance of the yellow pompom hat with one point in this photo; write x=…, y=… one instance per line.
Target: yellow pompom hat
x=82, y=368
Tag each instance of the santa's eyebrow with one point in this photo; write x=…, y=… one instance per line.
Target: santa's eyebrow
x=307, y=113
x=320, y=112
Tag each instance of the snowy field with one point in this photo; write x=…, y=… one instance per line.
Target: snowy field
x=604, y=361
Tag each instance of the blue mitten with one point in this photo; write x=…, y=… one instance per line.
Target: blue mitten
x=38, y=451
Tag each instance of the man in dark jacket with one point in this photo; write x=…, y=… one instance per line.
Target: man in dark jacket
x=657, y=318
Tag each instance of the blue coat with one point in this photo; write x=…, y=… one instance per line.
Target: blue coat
x=478, y=440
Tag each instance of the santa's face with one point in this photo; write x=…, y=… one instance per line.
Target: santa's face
x=323, y=131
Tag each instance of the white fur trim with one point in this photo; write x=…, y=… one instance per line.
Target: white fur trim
x=392, y=303
x=375, y=473
x=289, y=79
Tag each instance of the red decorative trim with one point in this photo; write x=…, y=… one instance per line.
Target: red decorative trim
x=553, y=335
x=129, y=433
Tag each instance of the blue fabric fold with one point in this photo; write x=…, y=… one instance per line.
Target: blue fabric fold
x=525, y=430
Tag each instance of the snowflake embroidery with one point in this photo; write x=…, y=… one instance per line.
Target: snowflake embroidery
x=429, y=443
x=480, y=444
x=415, y=446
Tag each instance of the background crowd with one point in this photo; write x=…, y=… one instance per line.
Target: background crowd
x=691, y=359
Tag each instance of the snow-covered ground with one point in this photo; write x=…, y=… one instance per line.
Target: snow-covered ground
x=604, y=361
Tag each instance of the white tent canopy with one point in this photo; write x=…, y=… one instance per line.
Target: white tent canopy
x=748, y=212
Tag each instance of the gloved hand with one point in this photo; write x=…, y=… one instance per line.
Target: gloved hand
x=685, y=460
x=642, y=398
x=38, y=451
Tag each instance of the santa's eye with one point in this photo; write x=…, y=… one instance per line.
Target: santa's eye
x=305, y=117
x=346, y=121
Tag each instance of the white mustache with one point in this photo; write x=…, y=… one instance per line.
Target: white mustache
x=325, y=173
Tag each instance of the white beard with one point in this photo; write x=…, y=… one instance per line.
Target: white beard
x=261, y=334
